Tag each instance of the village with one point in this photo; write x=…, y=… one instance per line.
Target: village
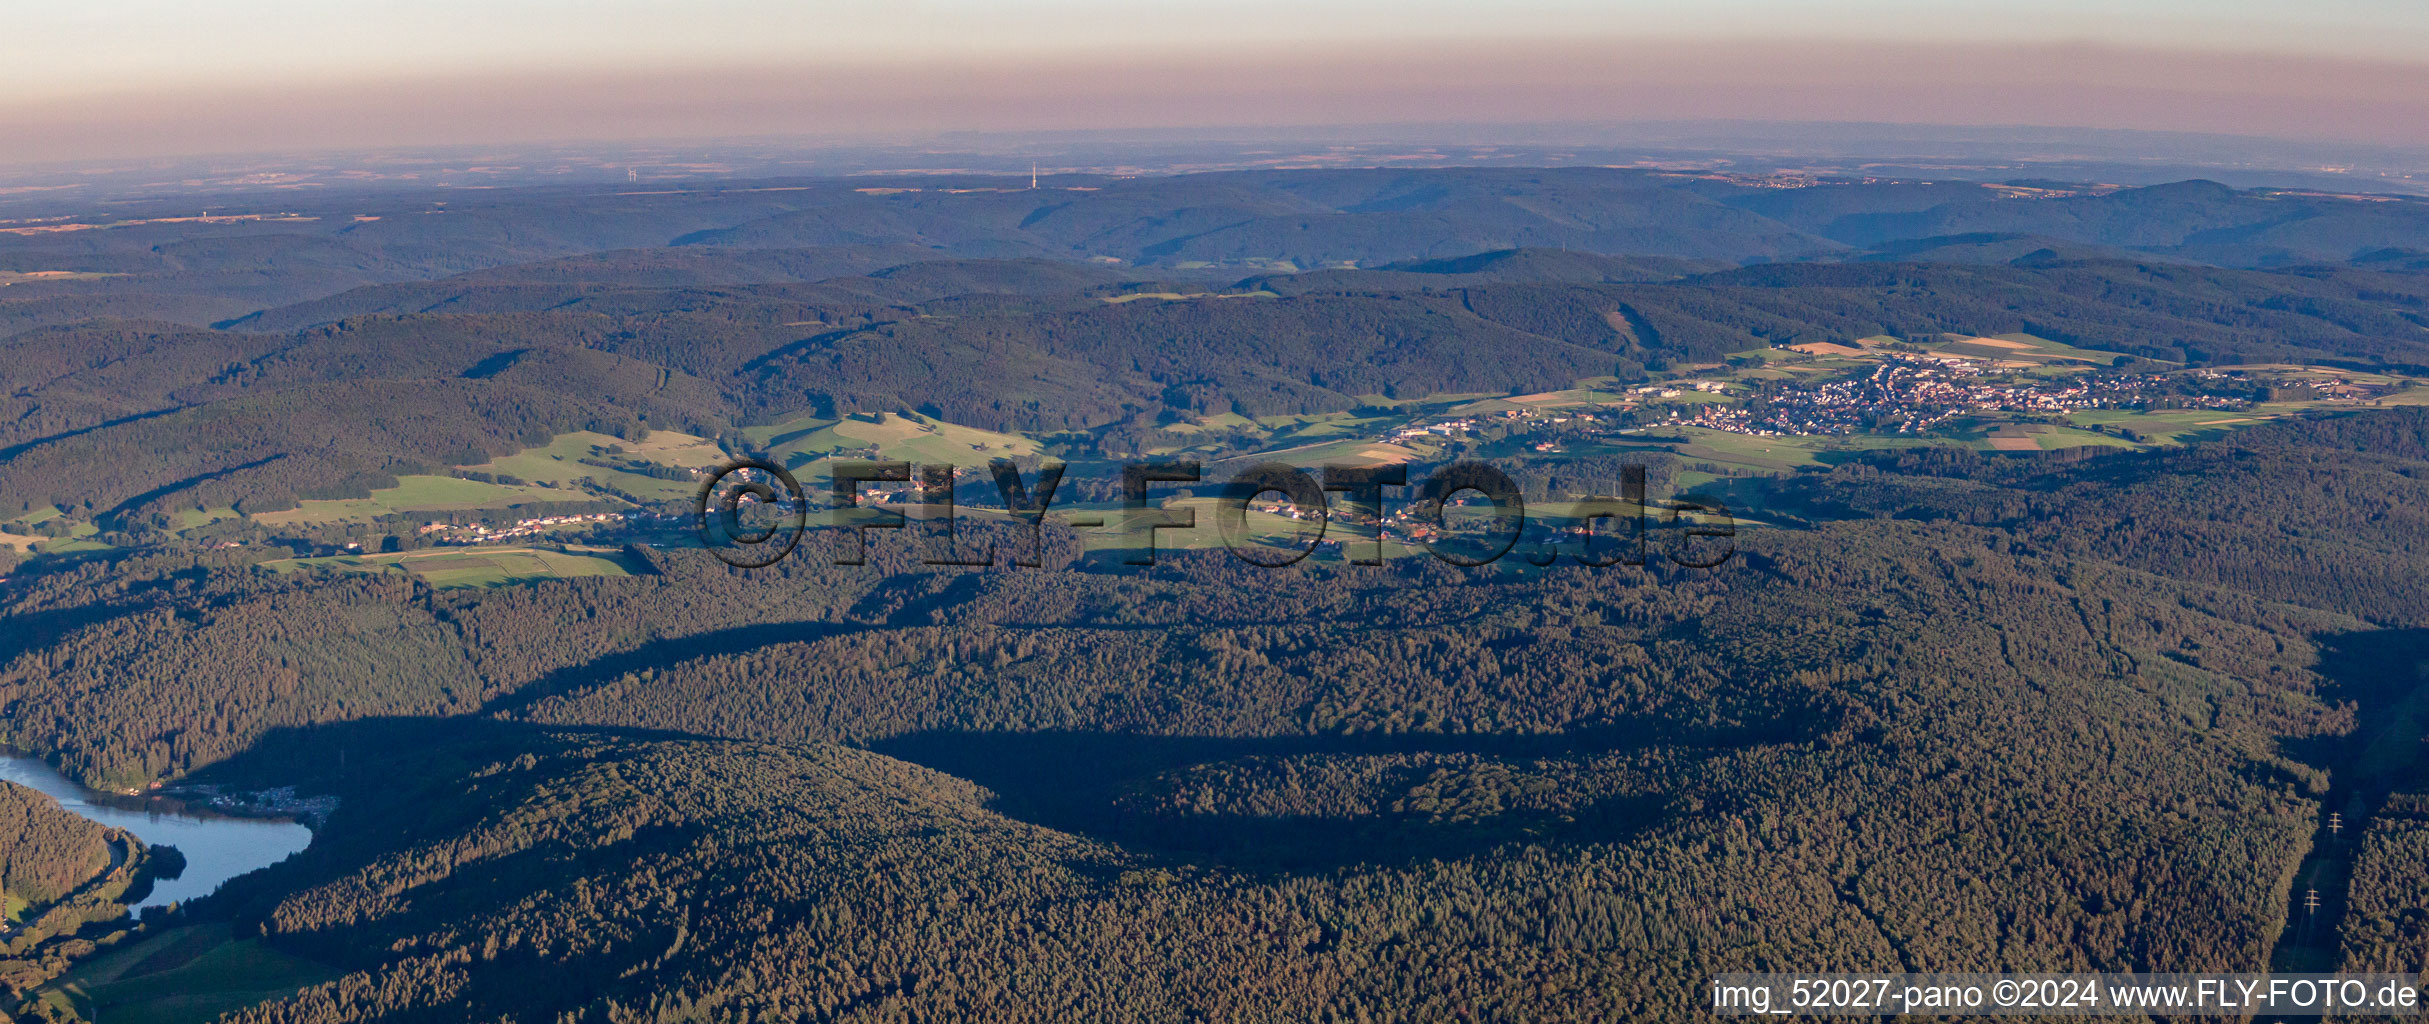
x=482, y=533
x=1901, y=394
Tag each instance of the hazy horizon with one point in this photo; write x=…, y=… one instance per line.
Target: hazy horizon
x=146, y=79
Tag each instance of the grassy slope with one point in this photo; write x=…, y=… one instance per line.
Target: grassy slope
x=557, y=462
x=182, y=975
x=468, y=567
x=919, y=440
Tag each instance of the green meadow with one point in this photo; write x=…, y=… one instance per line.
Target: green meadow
x=560, y=462
x=181, y=976
x=2167, y=426
x=553, y=472
x=420, y=494
x=471, y=567
x=917, y=439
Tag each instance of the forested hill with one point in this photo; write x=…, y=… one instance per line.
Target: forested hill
x=1406, y=793
x=262, y=252
x=367, y=337
x=2326, y=513
x=46, y=852
x=189, y=417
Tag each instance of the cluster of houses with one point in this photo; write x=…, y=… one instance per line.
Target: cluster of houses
x=1446, y=428
x=483, y=533
x=1903, y=394
x=282, y=802
x=1908, y=395
x=1677, y=388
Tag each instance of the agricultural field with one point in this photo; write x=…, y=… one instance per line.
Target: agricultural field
x=1743, y=358
x=1761, y=454
x=917, y=439
x=195, y=518
x=80, y=536
x=1301, y=427
x=2413, y=396
x=23, y=542
x=1357, y=451
x=1743, y=454
x=2166, y=426
x=1290, y=431
x=2022, y=351
x=2008, y=439
x=1784, y=371
x=2304, y=370
x=2053, y=438
x=1578, y=398
x=560, y=462
x=471, y=567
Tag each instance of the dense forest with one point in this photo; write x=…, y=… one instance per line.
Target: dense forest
x=2389, y=930
x=1885, y=741
x=66, y=882
x=45, y=852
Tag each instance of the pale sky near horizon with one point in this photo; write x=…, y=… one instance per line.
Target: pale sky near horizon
x=111, y=78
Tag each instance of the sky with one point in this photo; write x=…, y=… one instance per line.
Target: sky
x=102, y=79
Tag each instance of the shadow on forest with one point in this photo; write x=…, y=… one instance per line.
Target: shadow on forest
x=377, y=761
x=1105, y=786
x=2384, y=673
x=660, y=655
x=2381, y=673
x=1099, y=785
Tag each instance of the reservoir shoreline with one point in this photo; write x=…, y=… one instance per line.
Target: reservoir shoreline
x=219, y=843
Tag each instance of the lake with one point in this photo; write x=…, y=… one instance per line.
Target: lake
x=217, y=847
